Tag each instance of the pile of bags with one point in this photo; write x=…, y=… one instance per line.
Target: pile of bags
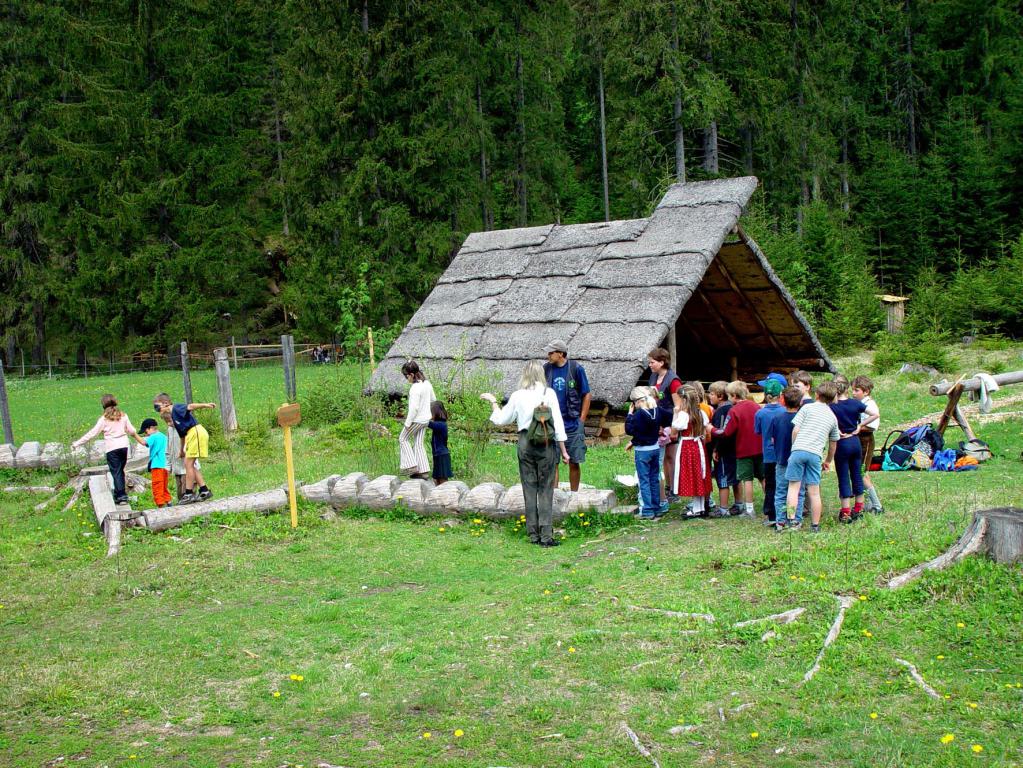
x=923, y=448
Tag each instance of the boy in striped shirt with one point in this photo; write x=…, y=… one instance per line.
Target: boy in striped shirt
x=814, y=430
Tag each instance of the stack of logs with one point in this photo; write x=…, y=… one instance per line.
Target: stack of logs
x=489, y=500
x=34, y=455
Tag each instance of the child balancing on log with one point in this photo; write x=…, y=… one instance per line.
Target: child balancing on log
x=115, y=426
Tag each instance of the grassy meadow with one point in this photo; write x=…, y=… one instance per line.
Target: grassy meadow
x=389, y=640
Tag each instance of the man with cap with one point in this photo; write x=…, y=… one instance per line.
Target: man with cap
x=772, y=385
x=568, y=380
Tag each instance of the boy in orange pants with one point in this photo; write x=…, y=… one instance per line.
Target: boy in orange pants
x=156, y=441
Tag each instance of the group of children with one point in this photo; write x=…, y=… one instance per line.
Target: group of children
x=178, y=452
x=783, y=446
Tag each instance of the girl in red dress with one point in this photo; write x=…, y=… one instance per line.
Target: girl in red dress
x=692, y=475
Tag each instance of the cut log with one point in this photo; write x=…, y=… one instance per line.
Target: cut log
x=379, y=493
x=485, y=498
x=345, y=492
x=97, y=452
x=171, y=517
x=54, y=455
x=7, y=453
x=102, y=498
x=591, y=500
x=412, y=494
x=513, y=504
x=973, y=385
x=28, y=455
x=29, y=489
x=445, y=498
x=320, y=492
x=996, y=532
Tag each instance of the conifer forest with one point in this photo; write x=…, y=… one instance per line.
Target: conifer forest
x=189, y=169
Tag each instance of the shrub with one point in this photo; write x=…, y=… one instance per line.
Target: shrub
x=927, y=348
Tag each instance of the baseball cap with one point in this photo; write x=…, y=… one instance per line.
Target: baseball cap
x=771, y=387
x=778, y=377
x=557, y=345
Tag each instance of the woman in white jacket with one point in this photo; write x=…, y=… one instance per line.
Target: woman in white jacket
x=537, y=463
x=411, y=453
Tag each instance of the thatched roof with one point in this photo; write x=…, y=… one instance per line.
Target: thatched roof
x=612, y=291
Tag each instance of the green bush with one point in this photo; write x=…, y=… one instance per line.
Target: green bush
x=330, y=400
x=927, y=348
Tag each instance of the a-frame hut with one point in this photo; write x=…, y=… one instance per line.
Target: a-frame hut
x=686, y=278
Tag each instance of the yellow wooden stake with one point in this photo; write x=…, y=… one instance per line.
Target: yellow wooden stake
x=289, y=415
x=372, y=355
x=291, y=477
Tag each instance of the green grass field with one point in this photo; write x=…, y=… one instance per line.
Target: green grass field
x=385, y=641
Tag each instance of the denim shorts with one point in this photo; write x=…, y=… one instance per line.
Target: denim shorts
x=804, y=467
x=575, y=444
x=724, y=472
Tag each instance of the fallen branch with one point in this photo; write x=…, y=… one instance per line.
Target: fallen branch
x=844, y=603
x=29, y=489
x=708, y=617
x=919, y=678
x=638, y=744
x=968, y=543
x=79, y=485
x=787, y=617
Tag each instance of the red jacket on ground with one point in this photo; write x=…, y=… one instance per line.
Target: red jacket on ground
x=740, y=424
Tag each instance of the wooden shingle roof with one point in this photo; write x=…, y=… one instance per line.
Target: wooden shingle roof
x=612, y=290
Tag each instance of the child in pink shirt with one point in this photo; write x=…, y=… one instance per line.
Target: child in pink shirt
x=115, y=426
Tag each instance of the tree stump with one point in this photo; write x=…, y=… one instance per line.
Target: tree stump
x=996, y=532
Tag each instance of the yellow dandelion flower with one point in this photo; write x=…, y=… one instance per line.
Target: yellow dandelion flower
x=571, y=649
x=863, y=597
x=940, y=656
x=793, y=577
x=546, y=591
x=867, y=633
x=960, y=624
x=276, y=694
x=754, y=735
x=586, y=522
x=873, y=715
x=948, y=696
x=459, y=733
x=948, y=738
x=972, y=705
x=477, y=520
x=565, y=598
x=427, y=735
x=297, y=678
x=977, y=749
x=582, y=514
x=132, y=757
x=441, y=529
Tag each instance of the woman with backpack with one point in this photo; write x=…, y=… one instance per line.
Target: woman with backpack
x=534, y=409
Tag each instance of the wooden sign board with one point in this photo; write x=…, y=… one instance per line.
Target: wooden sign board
x=289, y=415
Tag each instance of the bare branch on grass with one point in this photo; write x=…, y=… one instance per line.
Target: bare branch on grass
x=638, y=744
x=915, y=673
x=844, y=603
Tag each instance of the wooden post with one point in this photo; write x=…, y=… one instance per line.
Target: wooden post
x=49, y=365
x=5, y=411
x=673, y=348
x=234, y=354
x=22, y=363
x=288, y=356
x=186, y=374
x=735, y=367
x=225, y=397
x=372, y=351
x=85, y=357
x=110, y=360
